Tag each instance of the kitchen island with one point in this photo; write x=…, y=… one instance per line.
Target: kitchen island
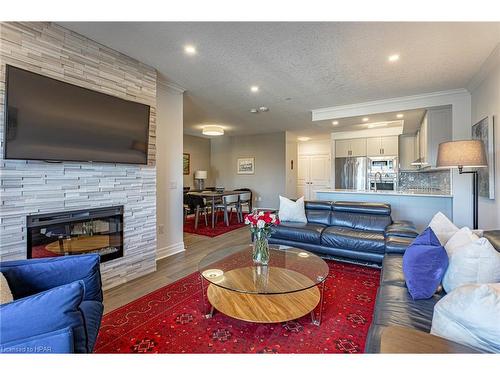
x=417, y=206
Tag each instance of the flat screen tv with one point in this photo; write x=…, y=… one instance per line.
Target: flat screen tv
x=47, y=119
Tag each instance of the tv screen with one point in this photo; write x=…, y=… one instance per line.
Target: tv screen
x=52, y=120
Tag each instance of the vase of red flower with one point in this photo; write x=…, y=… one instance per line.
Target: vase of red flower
x=260, y=225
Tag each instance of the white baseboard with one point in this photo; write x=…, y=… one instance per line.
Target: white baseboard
x=170, y=250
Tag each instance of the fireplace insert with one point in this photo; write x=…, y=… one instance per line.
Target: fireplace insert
x=98, y=230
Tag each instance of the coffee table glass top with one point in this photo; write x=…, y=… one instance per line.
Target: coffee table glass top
x=289, y=270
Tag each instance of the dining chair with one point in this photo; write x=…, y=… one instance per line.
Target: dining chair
x=245, y=199
x=228, y=201
x=197, y=204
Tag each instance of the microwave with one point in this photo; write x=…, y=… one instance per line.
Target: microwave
x=382, y=164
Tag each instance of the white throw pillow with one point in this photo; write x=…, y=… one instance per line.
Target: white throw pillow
x=475, y=263
x=442, y=227
x=292, y=211
x=5, y=293
x=470, y=315
x=461, y=238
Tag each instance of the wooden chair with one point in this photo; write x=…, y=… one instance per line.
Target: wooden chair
x=228, y=201
x=197, y=205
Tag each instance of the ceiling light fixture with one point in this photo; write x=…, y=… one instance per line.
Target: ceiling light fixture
x=254, y=89
x=335, y=122
x=190, y=49
x=400, y=115
x=213, y=130
x=303, y=139
x=365, y=119
x=254, y=110
x=393, y=58
x=263, y=109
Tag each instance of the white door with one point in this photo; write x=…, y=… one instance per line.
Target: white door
x=373, y=146
x=313, y=173
x=390, y=145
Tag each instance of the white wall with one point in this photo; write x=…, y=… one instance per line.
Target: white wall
x=486, y=102
x=199, y=150
x=269, y=153
x=169, y=140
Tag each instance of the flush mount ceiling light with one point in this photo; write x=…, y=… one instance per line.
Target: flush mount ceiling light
x=260, y=109
x=393, y=58
x=303, y=139
x=365, y=119
x=335, y=122
x=254, y=89
x=190, y=49
x=254, y=110
x=213, y=130
x=263, y=109
x=400, y=115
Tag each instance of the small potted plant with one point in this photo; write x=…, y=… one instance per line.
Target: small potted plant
x=260, y=225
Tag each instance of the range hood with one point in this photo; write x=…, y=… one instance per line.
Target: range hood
x=420, y=162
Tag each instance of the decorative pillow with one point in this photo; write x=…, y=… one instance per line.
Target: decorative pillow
x=5, y=293
x=470, y=315
x=292, y=211
x=424, y=264
x=461, y=238
x=443, y=227
x=475, y=263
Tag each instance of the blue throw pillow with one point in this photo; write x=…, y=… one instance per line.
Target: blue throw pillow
x=424, y=264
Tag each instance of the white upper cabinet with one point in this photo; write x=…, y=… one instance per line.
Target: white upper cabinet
x=435, y=128
x=350, y=147
x=382, y=146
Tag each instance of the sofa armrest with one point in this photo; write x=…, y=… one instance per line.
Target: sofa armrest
x=31, y=276
x=401, y=229
x=396, y=244
x=60, y=342
x=494, y=237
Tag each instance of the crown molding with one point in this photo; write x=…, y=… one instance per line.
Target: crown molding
x=491, y=62
x=390, y=105
x=174, y=87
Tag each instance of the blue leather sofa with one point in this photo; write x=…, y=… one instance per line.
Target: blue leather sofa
x=352, y=231
x=57, y=305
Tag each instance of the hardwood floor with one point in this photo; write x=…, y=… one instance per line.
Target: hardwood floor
x=174, y=267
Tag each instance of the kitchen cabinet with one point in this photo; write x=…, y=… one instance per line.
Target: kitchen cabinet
x=382, y=146
x=436, y=127
x=313, y=173
x=408, y=151
x=350, y=147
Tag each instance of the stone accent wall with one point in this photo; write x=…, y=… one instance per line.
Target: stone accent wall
x=30, y=187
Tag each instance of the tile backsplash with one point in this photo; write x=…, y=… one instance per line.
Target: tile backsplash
x=426, y=181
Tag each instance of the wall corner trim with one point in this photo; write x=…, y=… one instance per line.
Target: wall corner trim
x=174, y=87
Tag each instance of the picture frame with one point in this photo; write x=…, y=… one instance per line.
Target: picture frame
x=186, y=163
x=245, y=166
x=485, y=130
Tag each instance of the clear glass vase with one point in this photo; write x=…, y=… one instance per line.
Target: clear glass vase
x=261, y=249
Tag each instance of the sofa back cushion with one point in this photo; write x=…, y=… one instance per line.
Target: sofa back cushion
x=360, y=215
x=318, y=212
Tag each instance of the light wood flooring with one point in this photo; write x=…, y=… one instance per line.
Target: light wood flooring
x=174, y=267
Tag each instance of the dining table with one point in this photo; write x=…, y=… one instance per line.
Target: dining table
x=213, y=196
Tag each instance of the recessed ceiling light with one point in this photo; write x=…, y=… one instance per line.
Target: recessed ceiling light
x=254, y=89
x=400, y=115
x=303, y=139
x=335, y=122
x=365, y=119
x=393, y=58
x=213, y=130
x=190, y=49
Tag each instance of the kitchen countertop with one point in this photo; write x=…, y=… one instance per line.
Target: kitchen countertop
x=417, y=193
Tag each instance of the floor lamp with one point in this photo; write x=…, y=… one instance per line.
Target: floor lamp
x=464, y=154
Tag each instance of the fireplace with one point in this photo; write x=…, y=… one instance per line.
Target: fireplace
x=98, y=230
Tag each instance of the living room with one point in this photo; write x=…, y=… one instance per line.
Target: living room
x=249, y=187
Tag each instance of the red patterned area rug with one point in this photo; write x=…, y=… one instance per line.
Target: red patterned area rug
x=207, y=230
x=169, y=320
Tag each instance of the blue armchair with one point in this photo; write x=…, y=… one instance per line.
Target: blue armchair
x=57, y=305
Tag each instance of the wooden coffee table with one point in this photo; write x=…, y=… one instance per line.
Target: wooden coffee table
x=290, y=287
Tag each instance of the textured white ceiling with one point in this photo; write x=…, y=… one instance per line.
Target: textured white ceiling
x=315, y=64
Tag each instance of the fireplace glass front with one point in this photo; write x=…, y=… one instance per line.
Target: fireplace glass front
x=97, y=230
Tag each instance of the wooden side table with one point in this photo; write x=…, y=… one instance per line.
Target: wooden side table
x=406, y=340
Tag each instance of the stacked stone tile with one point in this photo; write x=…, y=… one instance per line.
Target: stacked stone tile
x=30, y=187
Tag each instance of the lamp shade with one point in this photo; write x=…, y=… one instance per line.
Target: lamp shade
x=200, y=175
x=461, y=154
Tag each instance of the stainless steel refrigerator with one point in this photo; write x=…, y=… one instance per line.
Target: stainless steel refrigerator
x=351, y=173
